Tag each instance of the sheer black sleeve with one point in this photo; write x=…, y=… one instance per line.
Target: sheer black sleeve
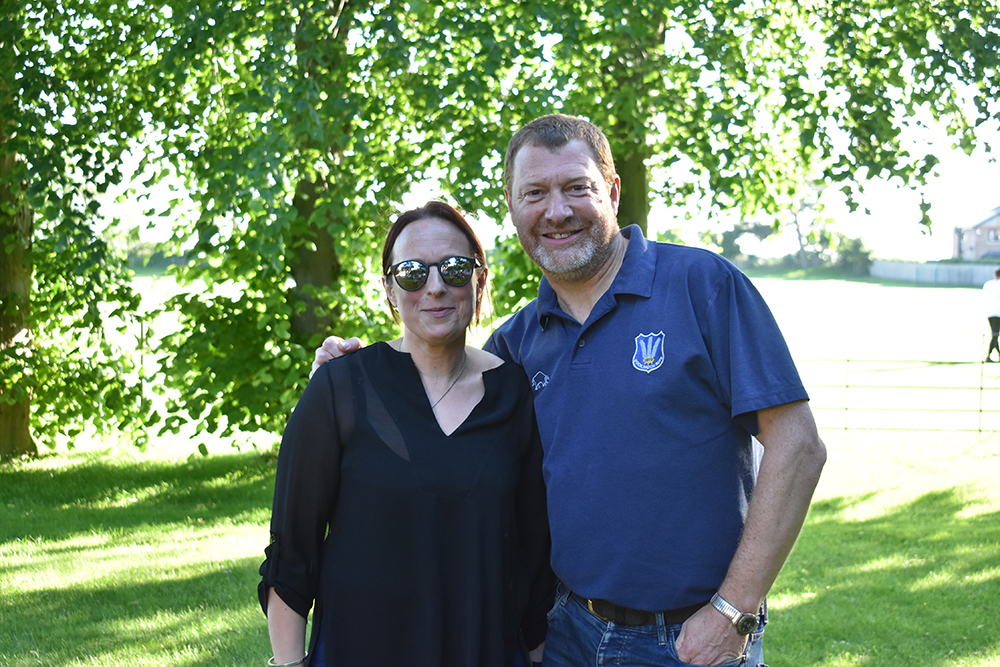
x=305, y=489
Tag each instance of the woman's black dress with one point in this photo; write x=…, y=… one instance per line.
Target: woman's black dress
x=418, y=548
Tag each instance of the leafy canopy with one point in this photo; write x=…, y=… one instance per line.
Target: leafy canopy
x=67, y=114
x=298, y=126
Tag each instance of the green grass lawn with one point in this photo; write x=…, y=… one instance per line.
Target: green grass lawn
x=899, y=561
x=109, y=556
x=126, y=559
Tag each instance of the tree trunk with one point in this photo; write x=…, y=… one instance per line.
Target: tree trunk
x=312, y=257
x=633, y=207
x=15, y=294
x=314, y=263
x=803, y=257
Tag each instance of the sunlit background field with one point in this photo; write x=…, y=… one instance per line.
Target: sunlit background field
x=111, y=556
x=899, y=563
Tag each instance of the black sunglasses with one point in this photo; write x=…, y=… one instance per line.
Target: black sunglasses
x=411, y=274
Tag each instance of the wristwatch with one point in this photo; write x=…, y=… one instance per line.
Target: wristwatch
x=745, y=623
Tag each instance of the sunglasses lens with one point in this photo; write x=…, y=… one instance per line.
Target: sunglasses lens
x=411, y=275
x=457, y=271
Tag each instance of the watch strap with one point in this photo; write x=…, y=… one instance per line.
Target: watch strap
x=727, y=610
x=744, y=622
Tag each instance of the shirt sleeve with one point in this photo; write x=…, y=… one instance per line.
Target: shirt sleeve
x=305, y=490
x=754, y=368
x=496, y=345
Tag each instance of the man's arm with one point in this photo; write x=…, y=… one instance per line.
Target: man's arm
x=793, y=458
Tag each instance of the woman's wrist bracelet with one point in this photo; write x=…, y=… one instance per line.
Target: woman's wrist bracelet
x=272, y=663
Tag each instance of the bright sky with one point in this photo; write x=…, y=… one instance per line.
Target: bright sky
x=965, y=190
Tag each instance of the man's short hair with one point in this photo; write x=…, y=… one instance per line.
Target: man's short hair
x=996, y=272
x=555, y=131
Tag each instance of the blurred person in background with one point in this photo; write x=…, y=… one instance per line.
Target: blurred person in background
x=991, y=303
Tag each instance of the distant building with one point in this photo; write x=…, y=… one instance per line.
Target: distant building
x=980, y=241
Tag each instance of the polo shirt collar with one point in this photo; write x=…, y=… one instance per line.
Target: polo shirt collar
x=635, y=276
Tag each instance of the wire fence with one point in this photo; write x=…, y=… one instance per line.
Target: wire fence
x=904, y=394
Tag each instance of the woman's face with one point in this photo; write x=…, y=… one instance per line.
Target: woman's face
x=437, y=313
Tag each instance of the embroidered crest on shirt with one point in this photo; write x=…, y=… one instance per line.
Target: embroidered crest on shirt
x=648, y=352
x=539, y=380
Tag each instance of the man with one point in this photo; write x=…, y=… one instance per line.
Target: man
x=991, y=301
x=652, y=366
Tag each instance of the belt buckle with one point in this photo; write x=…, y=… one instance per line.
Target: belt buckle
x=590, y=608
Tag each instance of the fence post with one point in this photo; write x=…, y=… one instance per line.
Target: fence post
x=847, y=386
x=982, y=374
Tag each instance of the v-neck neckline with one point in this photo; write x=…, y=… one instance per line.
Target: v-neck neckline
x=426, y=401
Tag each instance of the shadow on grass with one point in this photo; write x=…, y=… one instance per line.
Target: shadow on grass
x=208, y=619
x=165, y=613
x=915, y=586
x=92, y=492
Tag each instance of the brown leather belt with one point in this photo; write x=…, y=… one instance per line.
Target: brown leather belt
x=609, y=612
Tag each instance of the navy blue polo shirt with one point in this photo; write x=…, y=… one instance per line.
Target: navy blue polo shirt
x=646, y=412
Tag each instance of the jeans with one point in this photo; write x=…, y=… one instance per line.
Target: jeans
x=318, y=656
x=577, y=638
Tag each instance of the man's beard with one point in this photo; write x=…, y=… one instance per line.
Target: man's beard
x=573, y=264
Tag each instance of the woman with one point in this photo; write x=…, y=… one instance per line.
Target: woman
x=409, y=503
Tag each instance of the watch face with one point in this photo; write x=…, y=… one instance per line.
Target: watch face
x=746, y=624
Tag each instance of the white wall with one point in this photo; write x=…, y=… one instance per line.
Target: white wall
x=968, y=275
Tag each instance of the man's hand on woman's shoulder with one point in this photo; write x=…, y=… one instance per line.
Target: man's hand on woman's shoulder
x=334, y=347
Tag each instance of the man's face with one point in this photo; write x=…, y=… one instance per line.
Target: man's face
x=563, y=209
